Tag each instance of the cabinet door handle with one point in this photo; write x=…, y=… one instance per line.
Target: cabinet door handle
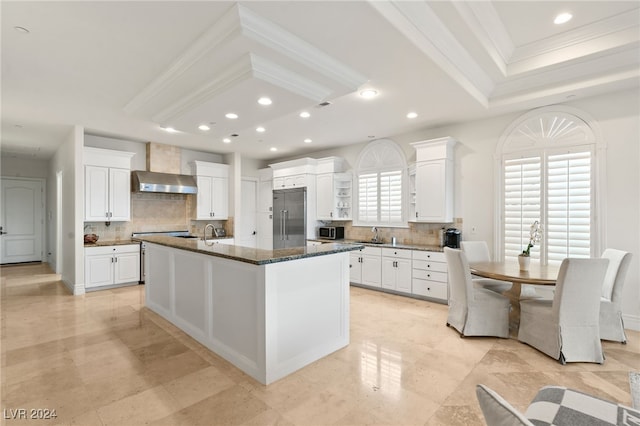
x=331, y=214
x=416, y=214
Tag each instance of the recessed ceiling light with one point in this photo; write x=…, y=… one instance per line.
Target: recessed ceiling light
x=307, y=140
x=265, y=101
x=226, y=140
x=231, y=115
x=273, y=149
x=204, y=127
x=369, y=93
x=260, y=129
x=562, y=18
x=305, y=114
x=169, y=129
x=22, y=30
x=412, y=115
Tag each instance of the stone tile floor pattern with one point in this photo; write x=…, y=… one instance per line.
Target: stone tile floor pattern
x=104, y=359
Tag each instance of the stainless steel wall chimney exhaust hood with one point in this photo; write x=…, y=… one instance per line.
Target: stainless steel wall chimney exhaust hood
x=142, y=181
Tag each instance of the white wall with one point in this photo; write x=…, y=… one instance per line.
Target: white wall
x=139, y=161
x=618, y=117
x=24, y=167
x=68, y=159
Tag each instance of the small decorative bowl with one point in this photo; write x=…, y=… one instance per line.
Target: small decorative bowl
x=90, y=238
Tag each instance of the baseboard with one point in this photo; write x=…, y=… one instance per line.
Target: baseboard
x=76, y=290
x=631, y=322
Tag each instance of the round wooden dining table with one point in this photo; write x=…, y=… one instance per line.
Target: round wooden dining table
x=510, y=271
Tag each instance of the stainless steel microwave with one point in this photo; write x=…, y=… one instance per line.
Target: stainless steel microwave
x=331, y=232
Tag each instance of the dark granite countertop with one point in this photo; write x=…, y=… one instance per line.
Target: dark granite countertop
x=104, y=243
x=251, y=255
x=421, y=247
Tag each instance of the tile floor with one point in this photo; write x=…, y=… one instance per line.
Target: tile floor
x=103, y=359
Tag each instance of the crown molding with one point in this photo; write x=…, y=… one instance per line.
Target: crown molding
x=277, y=75
x=227, y=27
x=275, y=37
x=421, y=26
x=593, y=66
x=485, y=24
x=237, y=23
x=619, y=29
x=247, y=67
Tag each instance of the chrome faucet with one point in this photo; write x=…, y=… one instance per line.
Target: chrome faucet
x=204, y=236
x=375, y=234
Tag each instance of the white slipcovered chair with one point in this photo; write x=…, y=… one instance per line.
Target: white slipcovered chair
x=611, y=325
x=473, y=311
x=567, y=327
x=478, y=251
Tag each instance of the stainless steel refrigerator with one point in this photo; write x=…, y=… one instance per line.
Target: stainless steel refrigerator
x=289, y=218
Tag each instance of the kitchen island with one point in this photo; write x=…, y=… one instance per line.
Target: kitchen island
x=268, y=312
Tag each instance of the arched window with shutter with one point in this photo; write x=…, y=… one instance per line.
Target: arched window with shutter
x=381, y=172
x=548, y=173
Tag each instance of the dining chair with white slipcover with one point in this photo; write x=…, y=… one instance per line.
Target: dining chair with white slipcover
x=611, y=325
x=478, y=251
x=567, y=327
x=473, y=311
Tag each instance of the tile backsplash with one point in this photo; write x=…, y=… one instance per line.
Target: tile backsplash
x=153, y=212
x=416, y=233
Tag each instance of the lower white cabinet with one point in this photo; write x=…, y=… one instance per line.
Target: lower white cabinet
x=414, y=272
x=366, y=266
x=430, y=275
x=110, y=265
x=396, y=269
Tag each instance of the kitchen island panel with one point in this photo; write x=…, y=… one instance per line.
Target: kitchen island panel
x=160, y=269
x=191, y=290
x=268, y=320
x=307, y=311
x=237, y=313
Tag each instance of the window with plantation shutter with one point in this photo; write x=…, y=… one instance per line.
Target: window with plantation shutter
x=548, y=175
x=522, y=180
x=368, y=197
x=568, y=223
x=381, y=173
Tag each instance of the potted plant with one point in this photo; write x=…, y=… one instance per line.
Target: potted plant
x=535, y=234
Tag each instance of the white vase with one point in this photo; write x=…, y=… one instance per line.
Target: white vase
x=524, y=262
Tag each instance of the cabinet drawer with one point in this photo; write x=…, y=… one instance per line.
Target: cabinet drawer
x=372, y=251
x=428, y=255
x=430, y=275
x=430, y=289
x=397, y=253
x=429, y=265
x=128, y=248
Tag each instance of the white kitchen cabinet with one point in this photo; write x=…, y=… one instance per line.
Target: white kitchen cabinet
x=429, y=275
x=396, y=269
x=433, y=182
x=212, y=200
x=265, y=209
x=111, y=265
x=333, y=196
x=366, y=266
x=293, y=181
x=107, y=185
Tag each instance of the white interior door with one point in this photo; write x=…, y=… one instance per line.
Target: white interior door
x=247, y=226
x=21, y=220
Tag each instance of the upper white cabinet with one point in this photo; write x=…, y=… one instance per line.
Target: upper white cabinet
x=294, y=174
x=432, y=185
x=107, y=185
x=212, y=200
x=333, y=190
x=334, y=196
